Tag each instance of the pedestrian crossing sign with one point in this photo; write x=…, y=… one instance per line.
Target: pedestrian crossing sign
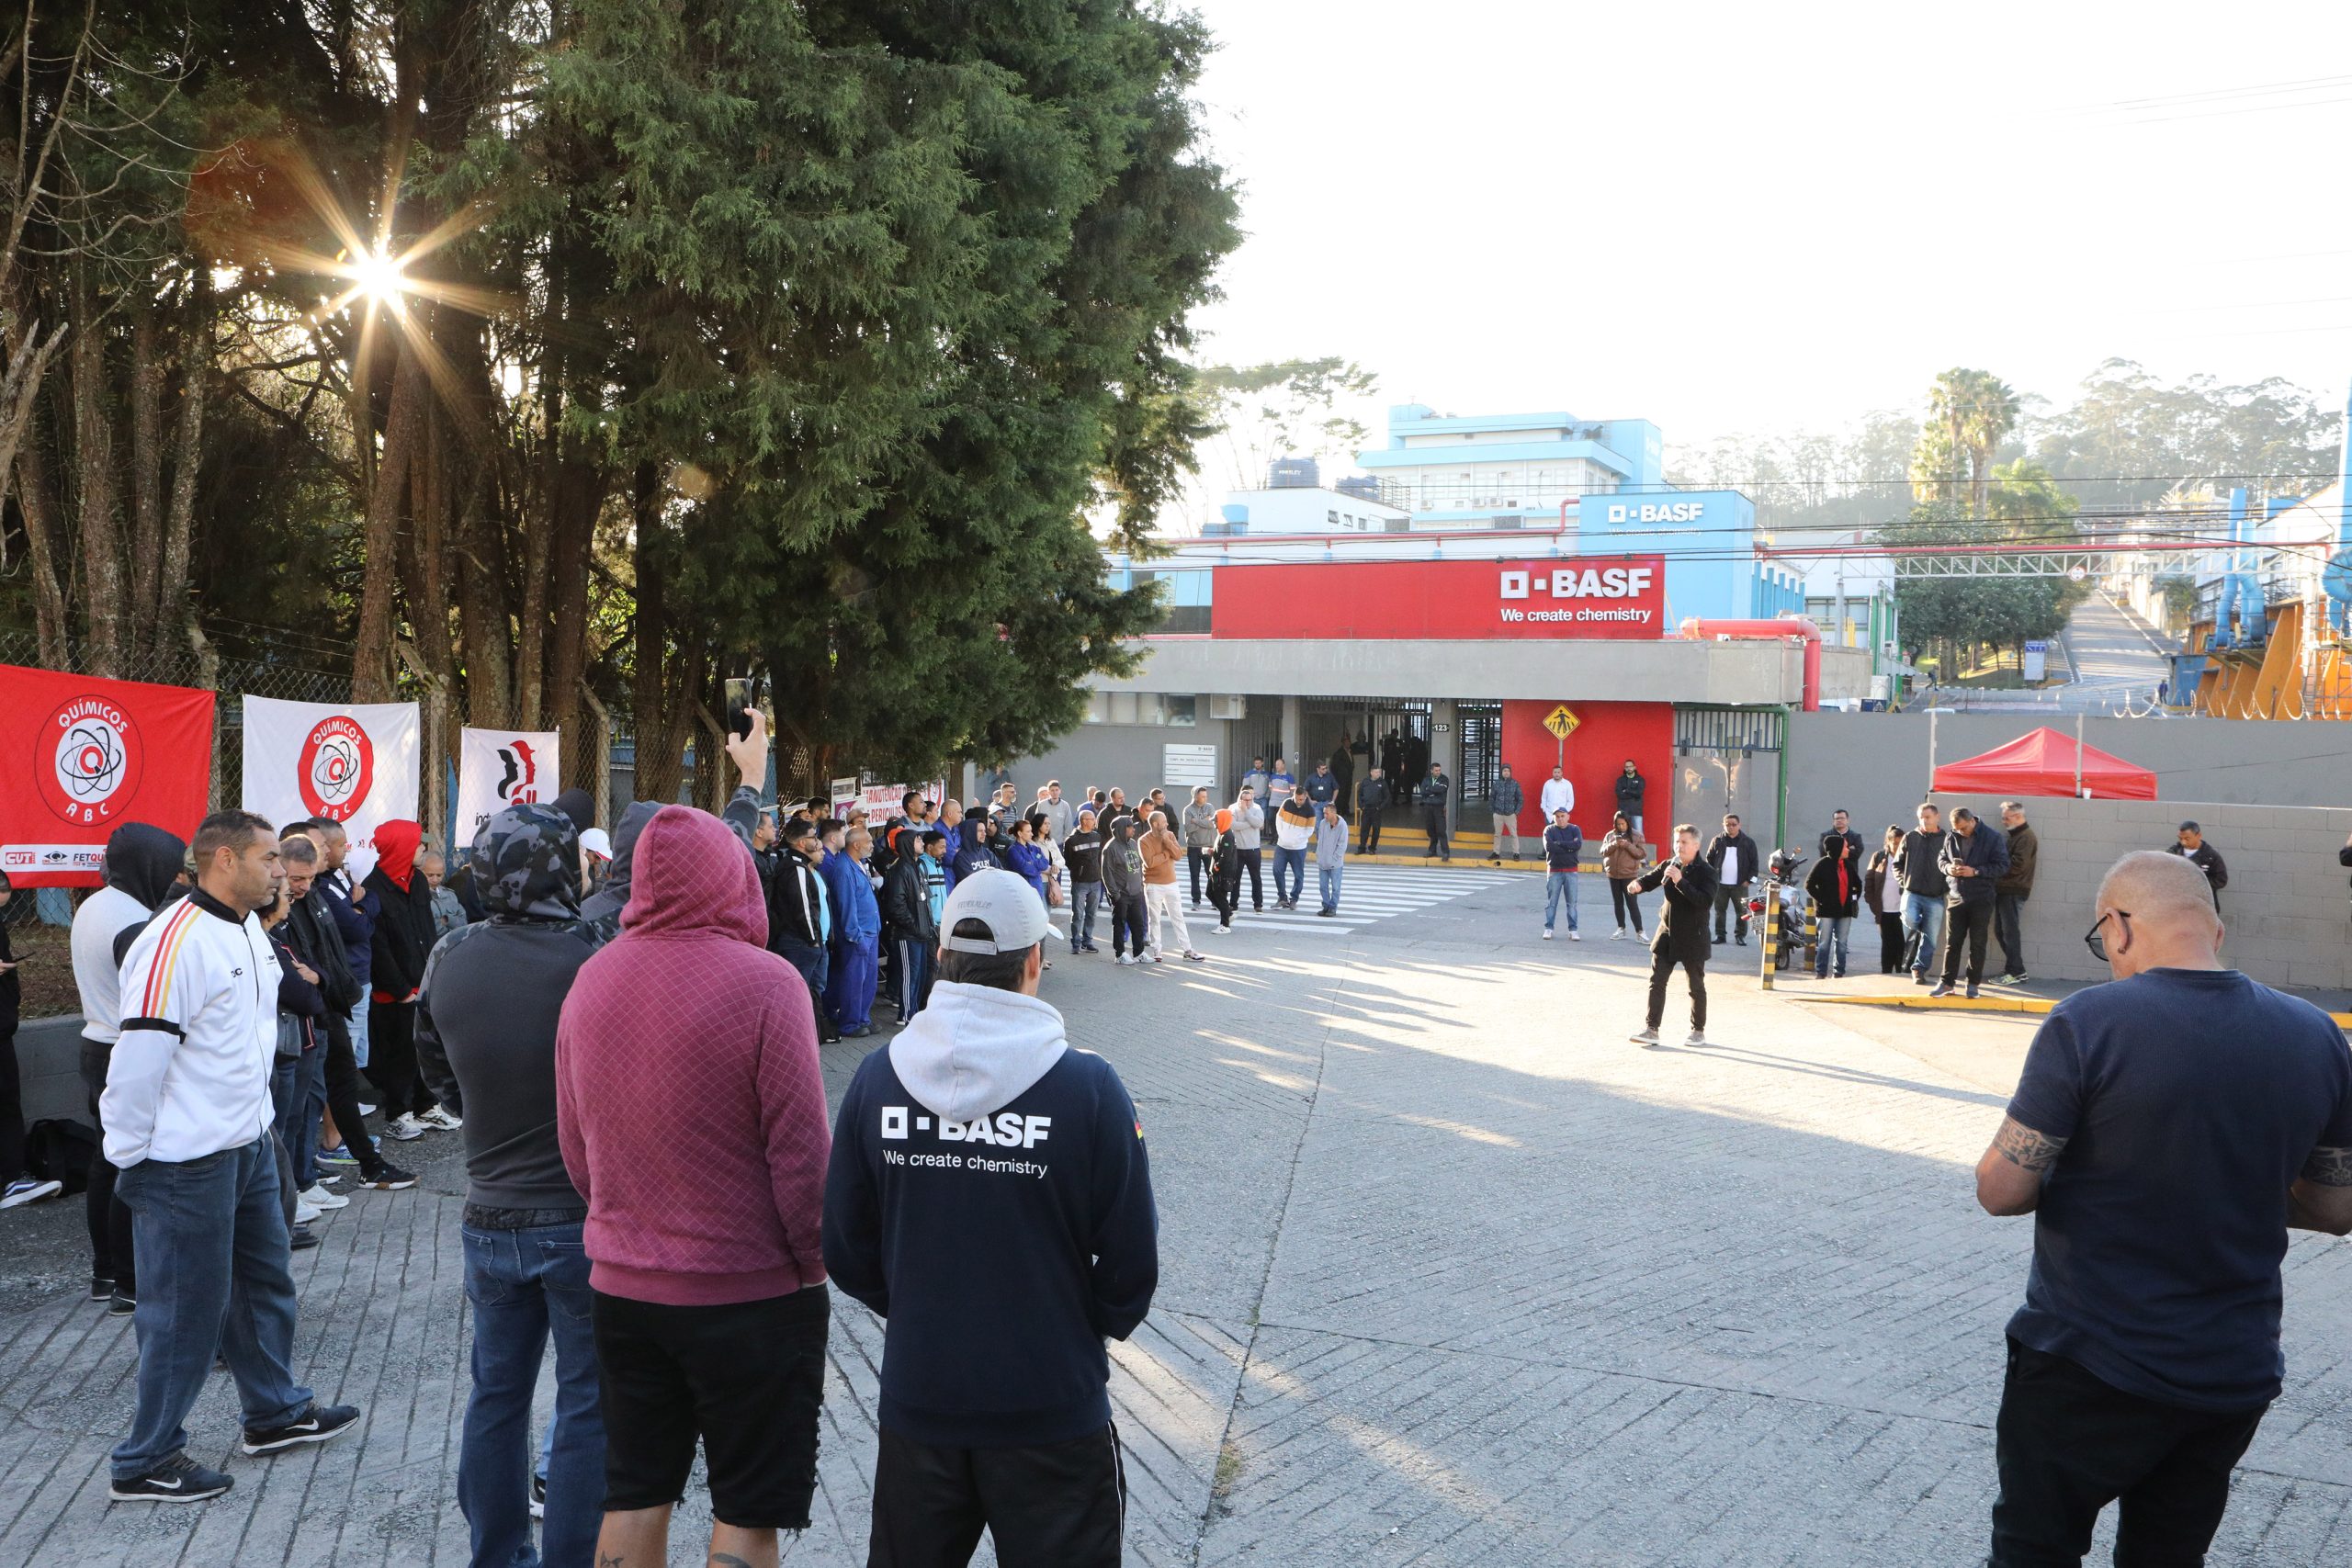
x=1562, y=721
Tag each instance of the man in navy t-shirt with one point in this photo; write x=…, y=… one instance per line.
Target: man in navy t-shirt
x=2167, y=1131
x=991, y=1197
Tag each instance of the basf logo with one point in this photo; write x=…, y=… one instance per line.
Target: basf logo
x=1656, y=512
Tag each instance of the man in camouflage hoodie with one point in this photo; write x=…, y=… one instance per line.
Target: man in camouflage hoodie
x=485, y=1042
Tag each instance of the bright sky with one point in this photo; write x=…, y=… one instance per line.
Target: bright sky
x=1749, y=218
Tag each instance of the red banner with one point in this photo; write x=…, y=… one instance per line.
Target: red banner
x=79, y=757
x=1576, y=596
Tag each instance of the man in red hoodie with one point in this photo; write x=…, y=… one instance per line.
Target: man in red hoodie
x=692, y=1116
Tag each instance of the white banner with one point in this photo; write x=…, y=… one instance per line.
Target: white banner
x=354, y=764
x=499, y=768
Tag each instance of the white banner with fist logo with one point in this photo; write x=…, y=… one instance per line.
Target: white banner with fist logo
x=499, y=768
x=353, y=763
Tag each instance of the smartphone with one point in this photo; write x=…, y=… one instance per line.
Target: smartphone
x=743, y=694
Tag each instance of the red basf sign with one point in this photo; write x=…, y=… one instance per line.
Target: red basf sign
x=80, y=757
x=1574, y=596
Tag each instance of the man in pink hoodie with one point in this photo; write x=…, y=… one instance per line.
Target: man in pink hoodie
x=692, y=1116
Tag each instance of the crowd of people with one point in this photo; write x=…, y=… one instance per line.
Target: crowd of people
x=629, y=1046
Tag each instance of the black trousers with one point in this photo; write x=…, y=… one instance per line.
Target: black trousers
x=2068, y=1444
x=12, y=1111
x=1972, y=923
x=1663, y=964
x=1734, y=899
x=2008, y=916
x=109, y=1217
x=1198, y=861
x=391, y=1060
x=1252, y=862
x=1625, y=903
x=341, y=1070
x=1062, y=1505
x=1368, y=829
x=1433, y=824
x=1130, y=925
x=1890, y=943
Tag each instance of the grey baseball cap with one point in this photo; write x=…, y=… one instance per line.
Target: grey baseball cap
x=1005, y=903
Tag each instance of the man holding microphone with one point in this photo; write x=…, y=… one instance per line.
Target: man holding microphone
x=1688, y=885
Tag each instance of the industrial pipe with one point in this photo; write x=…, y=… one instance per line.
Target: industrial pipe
x=1778, y=630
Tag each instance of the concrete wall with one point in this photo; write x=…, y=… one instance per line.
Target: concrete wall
x=1876, y=764
x=1128, y=755
x=2285, y=907
x=1538, y=668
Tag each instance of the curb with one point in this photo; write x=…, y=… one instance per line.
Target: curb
x=2034, y=1005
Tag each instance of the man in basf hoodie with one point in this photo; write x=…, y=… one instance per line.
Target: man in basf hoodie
x=990, y=1196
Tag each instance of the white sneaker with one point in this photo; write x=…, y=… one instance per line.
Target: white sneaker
x=1548, y=933
x=439, y=1117
x=1196, y=957
x=1617, y=935
x=304, y=1213
x=1124, y=960
x=403, y=1128
x=1220, y=930
x=319, y=1198
x=1573, y=936
x=29, y=1189
x=1696, y=1039
x=1155, y=958
x=1647, y=1037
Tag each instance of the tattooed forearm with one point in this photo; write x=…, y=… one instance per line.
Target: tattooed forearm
x=2329, y=1168
x=2024, y=1147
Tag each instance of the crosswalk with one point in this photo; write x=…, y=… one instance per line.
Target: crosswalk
x=1368, y=894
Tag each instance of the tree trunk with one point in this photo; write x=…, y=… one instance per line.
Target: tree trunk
x=103, y=586
x=572, y=546
x=144, y=628
x=172, y=608
x=45, y=543
x=371, y=657
x=540, y=522
x=669, y=686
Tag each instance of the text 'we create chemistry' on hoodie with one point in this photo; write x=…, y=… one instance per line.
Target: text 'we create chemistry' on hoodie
x=990, y=1196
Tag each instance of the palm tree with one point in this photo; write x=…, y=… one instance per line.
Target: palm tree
x=1991, y=415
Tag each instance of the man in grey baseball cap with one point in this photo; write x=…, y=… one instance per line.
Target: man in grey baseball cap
x=990, y=1196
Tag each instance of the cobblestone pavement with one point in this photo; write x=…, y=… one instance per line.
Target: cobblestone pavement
x=1452, y=1274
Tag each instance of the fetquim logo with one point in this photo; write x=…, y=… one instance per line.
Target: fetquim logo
x=521, y=784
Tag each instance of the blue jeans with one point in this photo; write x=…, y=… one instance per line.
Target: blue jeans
x=359, y=1044
x=212, y=1278
x=1832, y=933
x=297, y=1078
x=1922, y=923
x=1295, y=862
x=1559, y=887
x=527, y=1286
x=1329, y=877
x=1085, y=899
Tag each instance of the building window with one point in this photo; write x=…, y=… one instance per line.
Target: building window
x=1182, y=711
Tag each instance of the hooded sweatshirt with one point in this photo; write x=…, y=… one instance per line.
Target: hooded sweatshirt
x=486, y=1020
x=688, y=1099
x=403, y=933
x=989, y=1195
x=603, y=907
x=142, y=863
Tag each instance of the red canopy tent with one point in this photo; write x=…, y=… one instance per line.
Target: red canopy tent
x=2044, y=762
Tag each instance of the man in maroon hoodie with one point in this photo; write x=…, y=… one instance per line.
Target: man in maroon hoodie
x=692, y=1116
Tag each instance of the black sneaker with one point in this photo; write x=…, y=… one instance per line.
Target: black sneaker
x=301, y=1238
x=538, y=1496
x=122, y=1303
x=318, y=1424
x=178, y=1479
x=101, y=1287
x=389, y=1179
x=1972, y=990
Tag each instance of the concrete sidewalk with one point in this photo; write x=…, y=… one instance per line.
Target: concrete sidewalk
x=1452, y=1274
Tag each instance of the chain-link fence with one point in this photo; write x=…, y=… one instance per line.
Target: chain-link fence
x=189, y=666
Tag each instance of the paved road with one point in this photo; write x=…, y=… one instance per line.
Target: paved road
x=1453, y=1275
x=2116, y=667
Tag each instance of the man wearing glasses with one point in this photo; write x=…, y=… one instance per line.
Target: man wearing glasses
x=2167, y=1133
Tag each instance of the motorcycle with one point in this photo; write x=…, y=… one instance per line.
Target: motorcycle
x=1781, y=871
